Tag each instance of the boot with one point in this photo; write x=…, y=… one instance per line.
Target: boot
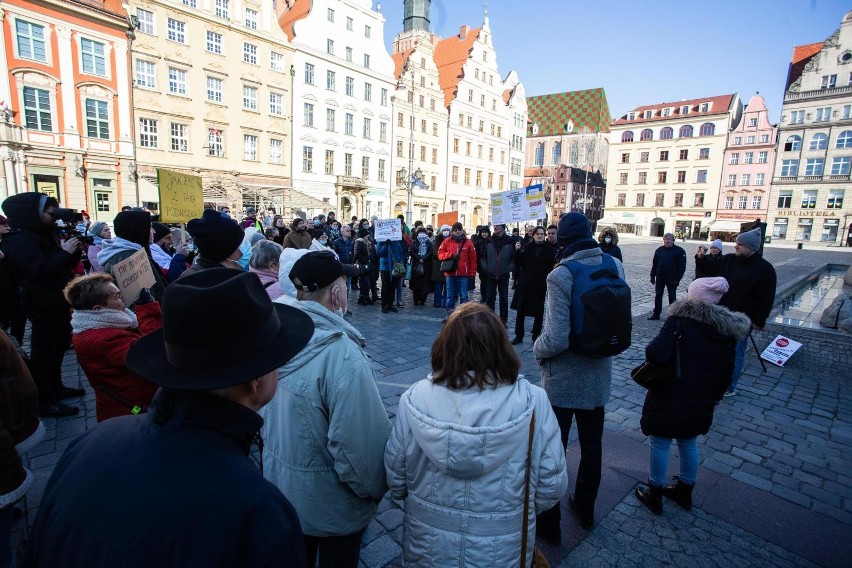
x=651, y=497
x=680, y=493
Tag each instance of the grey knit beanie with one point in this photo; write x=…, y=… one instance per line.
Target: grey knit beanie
x=751, y=239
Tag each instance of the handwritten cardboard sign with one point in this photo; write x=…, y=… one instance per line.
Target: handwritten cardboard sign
x=132, y=274
x=181, y=197
x=780, y=350
x=388, y=229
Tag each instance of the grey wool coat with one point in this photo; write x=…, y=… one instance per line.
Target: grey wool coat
x=571, y=380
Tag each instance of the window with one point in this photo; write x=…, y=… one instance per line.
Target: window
x=555, y=153
x=643, y=156
x=399, y=148
x=735, y=158
x=276, y=104
x=367, y=61
x=622, y=178
x=835, y=199
x=309, y=73
x=146, y=21
x=746, y=179
x=640, y=200
x=785, y=199
x=383, y=131
x=214, y=89
x=468, y=146
x=367, y=30
x=797, y=117
x=750, y=140
x=276, y=61
x=627, y=136
x=97, y=119
x=704, y=153
x=250, y=53
x=179, y=137
x=814, y=166
x=146, y=74
x=762, y=157
x=223, y=9
x=756, y=201
x=646, y=134
x=94, y=61
x=707, y=129
x=365, y=167
x=698, y=200
x=621, y=200
x=823, y=114
x=749, y=157
x=350, y=86
x=789, y=168
x=809, y=198
x=625, y=158
x=678, y=200
x=251, y=19
x=329, y=15
x=177, y=81
x=759, y=179
x=752, y=121
x=467, y=176
x=732, y=180
x=661, y=177
x=683, y=155
x=348, y=53
x=249, y=98
x=37, y=109
x=667, y=133
x=844, y=140
x=30, y=39
x=383, y=99
x=764, y=138
x=490, y=180
x=667, y=111
x=214, y=43
x=276, y=151
x=348, y=122
x=847, y=109
x=539, y=153
x=648, y=114
x=793, y=143
x=330, y=119
x=309, y=114
x=664, y=155
x=455, y=174
x=367, y=128
x=368, y=92
x=434, y=155
x=742, y=201
x=176, y=30
x=828, y=82
x=685, y=131
x=215, y=143
x=478, y=178
x=349, y=23
x=643, y=178
x=701, y=176
x=381, y=172
x=840, y=166
x=681, y=176
x=190, y=3
x=329, y=46
x=479, y=151
x=659, y=199
x=456, y=145
x=482, y=126
x=729, y=202
x=307, y=159
x=819, y=141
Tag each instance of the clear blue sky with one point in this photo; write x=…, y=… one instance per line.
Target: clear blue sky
x=642, y=51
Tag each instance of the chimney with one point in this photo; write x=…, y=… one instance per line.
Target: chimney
x=463, y=31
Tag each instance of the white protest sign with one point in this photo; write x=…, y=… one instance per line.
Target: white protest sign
x=518, y=205
x=388, y=229
x=780, y=350
x=132, y=274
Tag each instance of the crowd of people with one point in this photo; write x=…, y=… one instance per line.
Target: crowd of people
x=244, y=340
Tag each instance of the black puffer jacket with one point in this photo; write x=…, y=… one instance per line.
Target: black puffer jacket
x=684, y=408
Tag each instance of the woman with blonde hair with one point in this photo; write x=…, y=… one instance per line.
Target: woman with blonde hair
x=475, y=446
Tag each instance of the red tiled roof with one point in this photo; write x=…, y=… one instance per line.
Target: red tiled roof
x=450, y=56
x=109, y=6
x=289, y=12
x=718, y=105
x=801, y=55
x=507, y=95
x=399, y=60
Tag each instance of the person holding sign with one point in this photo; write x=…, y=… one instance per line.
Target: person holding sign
x=133, y=232
x=392, y=255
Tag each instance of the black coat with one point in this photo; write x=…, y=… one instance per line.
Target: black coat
x=421, y=280
x=536, y=262
x=669, y=263
x=751, y=286
x=707, y=265
x=684, y=407
x=132, y=492
x=612, y=250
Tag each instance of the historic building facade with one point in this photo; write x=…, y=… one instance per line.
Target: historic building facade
x=814, y=158
x=344, y=80
x=747, y=171
x=65, y=115
x=665, y=165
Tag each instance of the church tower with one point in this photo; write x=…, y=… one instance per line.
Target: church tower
x=416, y=15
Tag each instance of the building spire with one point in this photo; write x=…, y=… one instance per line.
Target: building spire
x=416, y=15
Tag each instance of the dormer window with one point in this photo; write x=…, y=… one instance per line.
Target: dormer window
x=535, y=129
x=648, y=114
x=631, y=116
x=684, y=109
x=667, y=112
x=705, y=107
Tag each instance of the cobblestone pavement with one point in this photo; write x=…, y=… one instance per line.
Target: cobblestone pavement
x=775, y=463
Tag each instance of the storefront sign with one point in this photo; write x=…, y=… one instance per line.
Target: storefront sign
x=806, y=213
x=780, y=350
x=737, y=217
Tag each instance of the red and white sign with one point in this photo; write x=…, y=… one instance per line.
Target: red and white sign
x=780, y=350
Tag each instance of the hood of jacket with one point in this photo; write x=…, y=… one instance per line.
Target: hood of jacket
x=111, y=247
x=612, y=233
x=328, y=327
x=468, y=433
x=22, y=210
x=720, y=318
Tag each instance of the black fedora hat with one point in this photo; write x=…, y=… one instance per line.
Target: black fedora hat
x=220, y=329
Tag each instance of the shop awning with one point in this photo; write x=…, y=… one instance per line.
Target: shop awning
x=611, y=221
x=148, y=191
x=725, y=226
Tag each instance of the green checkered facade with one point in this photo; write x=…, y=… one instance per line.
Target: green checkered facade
x=586, y=109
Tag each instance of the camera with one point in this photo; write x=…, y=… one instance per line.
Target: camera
x=67, y=230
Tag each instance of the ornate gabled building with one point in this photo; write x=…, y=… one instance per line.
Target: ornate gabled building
x=814, y=158
x=65, y=104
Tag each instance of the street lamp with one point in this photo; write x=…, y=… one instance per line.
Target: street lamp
x=289, y=202
x=409, y=213
x=416, y=177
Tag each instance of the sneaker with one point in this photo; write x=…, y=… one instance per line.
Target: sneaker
x=731, y=392
x=66, y=392
x=56, y=409
x=654, y=317
x=517, y=341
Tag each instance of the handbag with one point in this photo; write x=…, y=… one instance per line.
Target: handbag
x=539, y=561
x=654, y=376
x=451, y=264
x=397, y=266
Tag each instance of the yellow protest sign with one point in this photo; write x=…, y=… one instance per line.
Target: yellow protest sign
x=181, y=197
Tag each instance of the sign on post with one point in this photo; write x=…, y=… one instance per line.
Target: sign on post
x=388, y=229
x=132, y=274
x=518, y=205
x=780, y=350
x=181, y=196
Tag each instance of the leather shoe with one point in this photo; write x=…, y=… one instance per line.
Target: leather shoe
x=66, y=392
x=549, y=534
x=517, y=341
x=587, y=521
x=393, y=309
x=654, y=317
x=56, y=409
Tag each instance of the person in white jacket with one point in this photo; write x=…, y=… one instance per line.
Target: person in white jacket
x=458, y=452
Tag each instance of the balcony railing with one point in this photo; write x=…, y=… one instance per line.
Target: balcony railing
x=818, y=93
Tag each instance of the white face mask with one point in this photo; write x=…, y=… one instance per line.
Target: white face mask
x=607, y=240
x=445, y=233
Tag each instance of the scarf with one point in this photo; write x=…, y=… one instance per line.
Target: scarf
x=576, y=246
x=421, y=250
x=84, y=320
x=160, y=256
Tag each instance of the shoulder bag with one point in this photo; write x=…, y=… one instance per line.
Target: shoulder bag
x=539, y=561
x=653, y=376
x=452, y=263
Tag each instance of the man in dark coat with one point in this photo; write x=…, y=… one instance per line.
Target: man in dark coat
x=41, y=266
x=535, y=262
x=667, y=269
x=175, y=486
x=498, y=264
x=752, y=282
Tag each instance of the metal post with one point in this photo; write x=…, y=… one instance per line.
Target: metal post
x=409, y=213
x=289, y=202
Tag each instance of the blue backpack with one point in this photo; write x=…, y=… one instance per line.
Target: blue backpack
x=601, y=316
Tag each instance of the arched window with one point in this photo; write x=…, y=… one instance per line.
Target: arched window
x=845, y=139
x=627, y=136
x=556, y=156
x=666, y=133
x=685, y=131
x=539, y=154
x=819, y=141
x=646, y=134
x=793, y=143
x=707, y=129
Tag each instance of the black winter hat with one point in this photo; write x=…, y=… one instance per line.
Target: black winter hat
x=215, y=236
x=160, y=231
x=572, y=227
x=134, y=226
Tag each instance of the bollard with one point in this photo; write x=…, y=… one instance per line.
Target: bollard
x=799, y=246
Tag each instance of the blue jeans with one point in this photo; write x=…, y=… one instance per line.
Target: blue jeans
x=440, y=298
x=739, y=362
x=456, y=287
x=659, y=474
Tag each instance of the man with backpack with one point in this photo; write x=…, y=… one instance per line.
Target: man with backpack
x=587, y=321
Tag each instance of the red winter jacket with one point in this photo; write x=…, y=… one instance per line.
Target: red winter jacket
x=467, y=260
x=103, y=355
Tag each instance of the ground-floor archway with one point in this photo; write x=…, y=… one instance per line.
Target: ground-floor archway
x=658, y=227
